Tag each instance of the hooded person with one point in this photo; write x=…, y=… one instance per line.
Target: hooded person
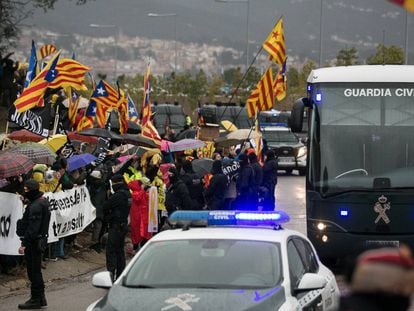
x=33, y=231
x=215, y=193
x=269, y=181
x=177, y=196
x=194, y=184
x=246, y=198
x=116, y=212
x=139, y=212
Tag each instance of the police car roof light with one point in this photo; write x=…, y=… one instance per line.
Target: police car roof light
x=231, y=218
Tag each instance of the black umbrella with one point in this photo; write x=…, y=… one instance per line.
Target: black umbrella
x=100, y=132
x=139, y=140
x=202, y=167
x=189, y=133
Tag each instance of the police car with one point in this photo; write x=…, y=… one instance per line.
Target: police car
x=222, y=260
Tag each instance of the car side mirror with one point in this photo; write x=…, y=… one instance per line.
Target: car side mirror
x=310, y=281
x=102, y=280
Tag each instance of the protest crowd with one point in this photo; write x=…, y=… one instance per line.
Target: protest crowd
x=104, y=179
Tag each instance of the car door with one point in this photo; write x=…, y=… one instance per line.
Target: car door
x=298, y=266
x=326, y=299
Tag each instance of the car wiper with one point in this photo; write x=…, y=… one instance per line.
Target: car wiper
x=138, y=286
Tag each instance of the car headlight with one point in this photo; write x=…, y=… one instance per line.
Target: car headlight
x=301, y=152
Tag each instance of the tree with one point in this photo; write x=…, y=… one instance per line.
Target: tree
x=386, y=55
x=14, y=12
x=347, y=57
x=214, y=87
x=232, y=76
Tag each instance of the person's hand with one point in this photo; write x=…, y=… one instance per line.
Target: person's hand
x=21, y=250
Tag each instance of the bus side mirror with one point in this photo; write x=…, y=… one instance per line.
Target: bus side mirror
x=296, y=116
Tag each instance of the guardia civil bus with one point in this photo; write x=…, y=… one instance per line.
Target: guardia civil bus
x=360, y=170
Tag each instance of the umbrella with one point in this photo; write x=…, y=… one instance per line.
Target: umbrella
x=223, y=142
x=228, y=126
x=185, y=144
x=139, y=140
x=55, y=142
x=83, y=138
x=36, y=152
x=202, y=167
x=13, y=164
x=24, y=135
x=243, y=134
x=83, y=103
x=189, y=133
x=80, y=160
x=99, y=132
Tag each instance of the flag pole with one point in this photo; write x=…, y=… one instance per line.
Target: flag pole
x=244, y=76
x=5, y=137
x=55, y=124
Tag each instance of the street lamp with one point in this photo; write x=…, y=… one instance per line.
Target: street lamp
x=116, y=43
x=175, y=31
x=247, y=23
x=320, y=33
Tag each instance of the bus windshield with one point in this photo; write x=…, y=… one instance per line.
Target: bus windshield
x=362, y=137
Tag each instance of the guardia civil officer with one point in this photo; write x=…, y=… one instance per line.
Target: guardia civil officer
x=33, y=231
x=116, y=211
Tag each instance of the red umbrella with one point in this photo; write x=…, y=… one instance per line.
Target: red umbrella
x=84, y=138
x=24, y=135
x=13, y=164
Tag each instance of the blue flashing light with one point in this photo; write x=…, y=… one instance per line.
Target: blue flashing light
x=231, y=218
x=309, y=87
x=343, y=212
x=318, y=97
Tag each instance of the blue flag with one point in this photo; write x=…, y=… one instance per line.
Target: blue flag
x=31, y=70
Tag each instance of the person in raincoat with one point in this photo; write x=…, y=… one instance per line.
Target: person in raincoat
x=139, y=212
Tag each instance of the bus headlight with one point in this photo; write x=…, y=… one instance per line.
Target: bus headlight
x=321, y=226
x=301, y=152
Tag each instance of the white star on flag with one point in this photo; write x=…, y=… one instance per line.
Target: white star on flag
x=100, y=91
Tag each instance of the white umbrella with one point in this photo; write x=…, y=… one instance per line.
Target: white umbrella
x=83, y=103
x=243, y=134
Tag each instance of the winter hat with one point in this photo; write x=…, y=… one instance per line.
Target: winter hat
x=145, y=182
x=386, y=270
x=31, y=185
x=96, y=174
x=38, y=176
x=40, y=168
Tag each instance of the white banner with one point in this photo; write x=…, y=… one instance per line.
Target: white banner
x=71, y=212
x=152, y=210
x=11, y=210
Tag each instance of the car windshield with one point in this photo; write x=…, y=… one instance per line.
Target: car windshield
x=280, y=137
x=207, y=264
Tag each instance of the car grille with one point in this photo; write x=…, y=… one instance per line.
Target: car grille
x=284, y=151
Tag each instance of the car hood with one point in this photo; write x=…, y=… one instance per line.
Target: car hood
x=175, y=299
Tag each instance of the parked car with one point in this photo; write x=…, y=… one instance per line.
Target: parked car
x=222, y=260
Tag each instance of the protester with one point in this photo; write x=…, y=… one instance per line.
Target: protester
x=116, y=212
x=258, y=176
x=381, y=279
x=33, y=230
x=269, y=181
x=177, y=197
x=194, y=184
x=245, y=194
x=139, y=212
x=215, y=193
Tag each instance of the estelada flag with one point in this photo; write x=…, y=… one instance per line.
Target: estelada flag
x=34, y=93
x=46, y=50
x=280, y=83
x=106, y=99
x=71, y=74
x=408, y=4
x=262, y=97
x=275, y=44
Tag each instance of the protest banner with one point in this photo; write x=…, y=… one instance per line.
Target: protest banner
x=71, y=212
x=11, y=210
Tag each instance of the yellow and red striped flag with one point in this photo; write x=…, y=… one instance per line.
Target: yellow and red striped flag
x=73, y=99
x=122, y=111
x=280, y=83
x=46, y=50
x=88, y=119
x=71, y=74
x=106, y=99
x=146, y=104
x=407, y=4
x=275, y=44
x=33, y=95
x=262, y=97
